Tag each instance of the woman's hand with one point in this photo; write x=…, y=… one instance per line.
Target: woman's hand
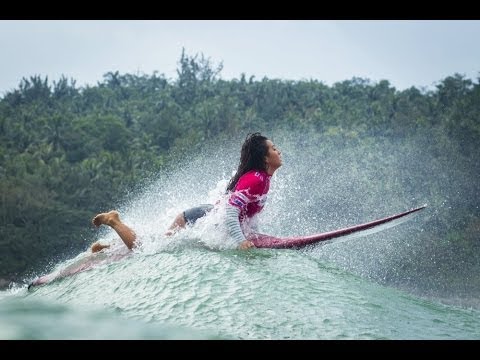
x=246, y=244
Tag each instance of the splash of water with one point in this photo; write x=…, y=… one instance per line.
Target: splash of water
x=320, y=187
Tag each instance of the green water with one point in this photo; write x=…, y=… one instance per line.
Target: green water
x=194, y=292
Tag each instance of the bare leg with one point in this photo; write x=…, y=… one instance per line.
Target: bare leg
x=177, y=224
x=112, y=219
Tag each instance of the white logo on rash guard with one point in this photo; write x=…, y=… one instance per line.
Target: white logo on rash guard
x=257, y=174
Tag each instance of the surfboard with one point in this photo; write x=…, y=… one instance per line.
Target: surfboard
x=83, y=264
x=298, y=242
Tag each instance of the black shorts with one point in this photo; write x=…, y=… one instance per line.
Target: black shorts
x=193, y=214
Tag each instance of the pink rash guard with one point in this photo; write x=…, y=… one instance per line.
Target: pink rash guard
x=250, y=193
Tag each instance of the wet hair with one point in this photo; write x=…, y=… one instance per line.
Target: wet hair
x=252, y=157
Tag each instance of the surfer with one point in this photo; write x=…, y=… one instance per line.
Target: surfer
x=248, y=188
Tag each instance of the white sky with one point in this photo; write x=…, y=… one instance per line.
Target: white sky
x=405, y=52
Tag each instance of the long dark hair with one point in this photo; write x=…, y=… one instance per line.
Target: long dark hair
x=252, y=157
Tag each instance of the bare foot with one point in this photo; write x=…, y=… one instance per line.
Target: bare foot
x=96, y=247
x=108, y=218
x=173, y=231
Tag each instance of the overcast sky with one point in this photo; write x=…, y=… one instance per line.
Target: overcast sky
x=407, y=53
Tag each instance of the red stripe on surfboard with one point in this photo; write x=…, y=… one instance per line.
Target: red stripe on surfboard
x=268, y=241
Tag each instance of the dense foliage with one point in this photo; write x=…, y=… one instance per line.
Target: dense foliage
x=68, y=152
